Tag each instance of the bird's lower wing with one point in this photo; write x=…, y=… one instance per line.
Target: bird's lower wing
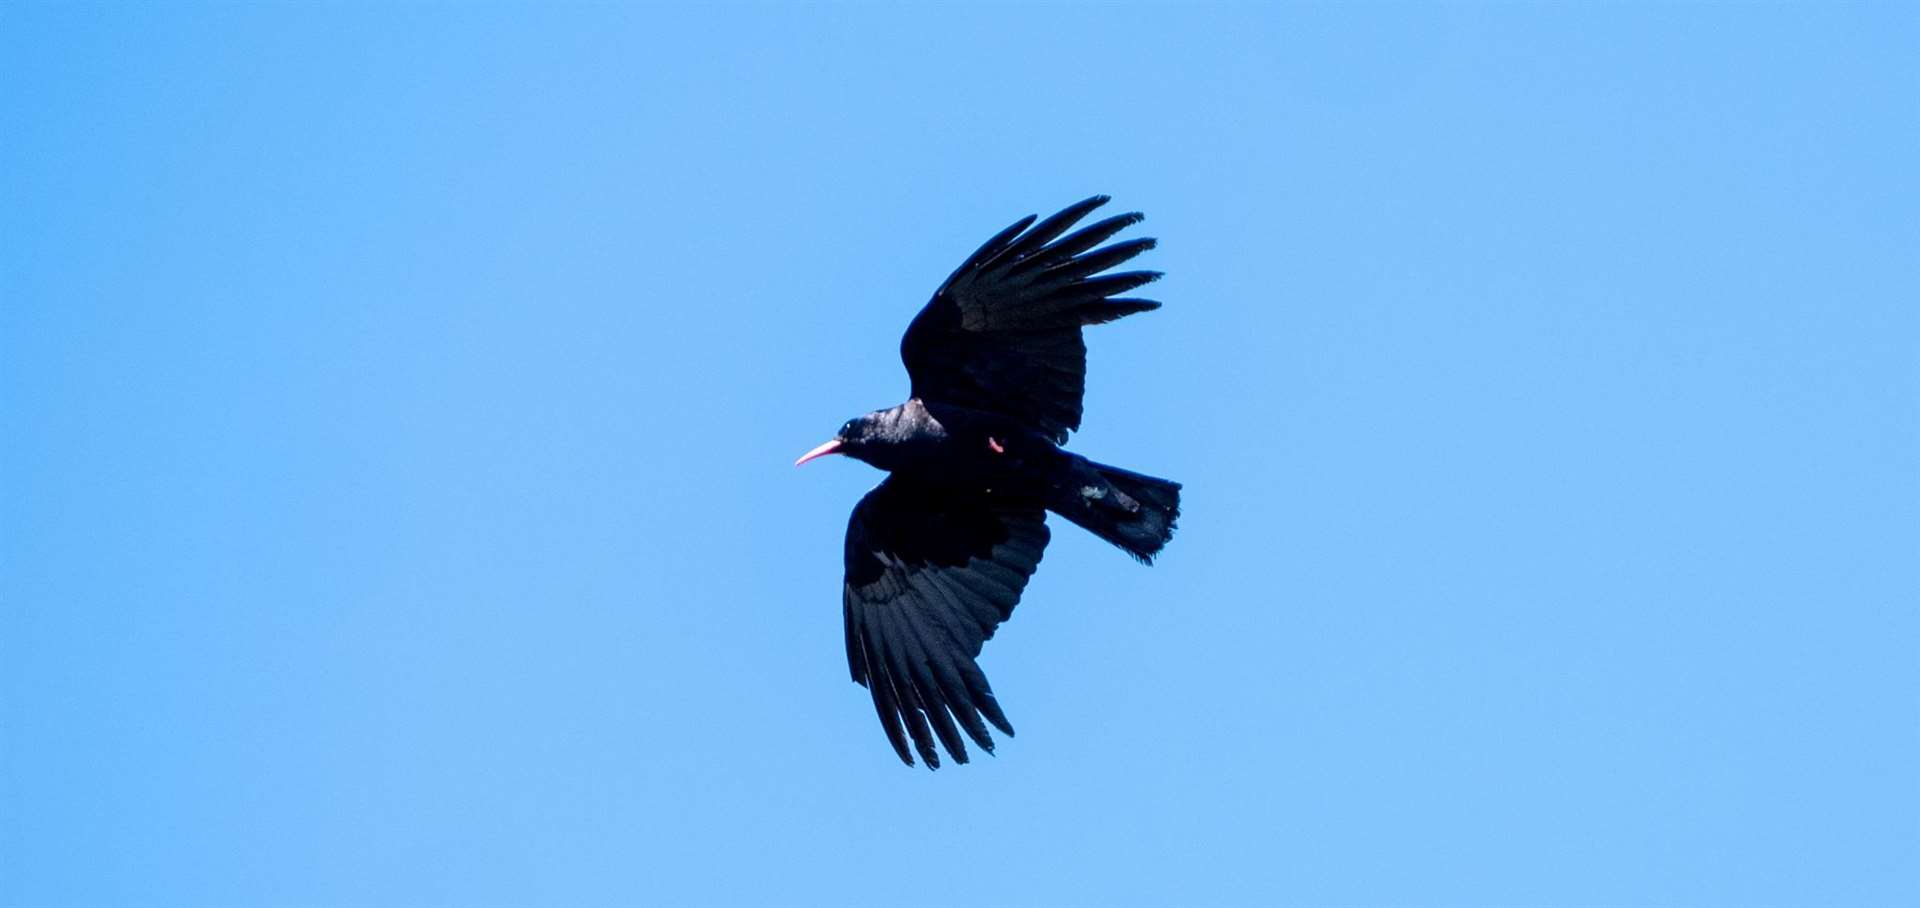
x=930, y=574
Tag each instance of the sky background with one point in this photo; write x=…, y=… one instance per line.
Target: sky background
x=397, y=407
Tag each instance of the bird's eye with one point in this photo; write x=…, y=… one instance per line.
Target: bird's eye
x=846, y=431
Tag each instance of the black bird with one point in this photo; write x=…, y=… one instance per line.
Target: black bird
x=939, y=552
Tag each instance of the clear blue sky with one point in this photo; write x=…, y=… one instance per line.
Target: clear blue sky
x=397, y=404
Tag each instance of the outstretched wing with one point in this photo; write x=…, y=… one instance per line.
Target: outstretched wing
x=1003, y=333
x=930, y=574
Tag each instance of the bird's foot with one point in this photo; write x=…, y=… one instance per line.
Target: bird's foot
x=995, y=444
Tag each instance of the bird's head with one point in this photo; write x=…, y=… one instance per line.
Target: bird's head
x=878, y=438
x=856, y=438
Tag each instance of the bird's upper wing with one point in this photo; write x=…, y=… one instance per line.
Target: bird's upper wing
x=930, y=574
x=1003, y=333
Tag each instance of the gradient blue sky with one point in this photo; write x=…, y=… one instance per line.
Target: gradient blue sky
x=397, y=404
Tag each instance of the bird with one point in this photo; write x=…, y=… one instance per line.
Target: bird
x=939, y=553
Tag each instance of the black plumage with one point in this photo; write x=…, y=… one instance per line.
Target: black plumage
x=939, y=553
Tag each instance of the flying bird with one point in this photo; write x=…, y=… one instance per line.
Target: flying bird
x=940, y=551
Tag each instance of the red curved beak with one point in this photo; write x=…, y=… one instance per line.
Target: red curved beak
x=832, y=447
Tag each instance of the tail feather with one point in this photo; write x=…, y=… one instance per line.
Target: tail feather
x=1131, y=510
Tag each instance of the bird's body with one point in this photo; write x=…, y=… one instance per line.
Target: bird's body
x=952, y=445
x=938, y=554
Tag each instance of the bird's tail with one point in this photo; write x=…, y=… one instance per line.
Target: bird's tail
x=1135, y=512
